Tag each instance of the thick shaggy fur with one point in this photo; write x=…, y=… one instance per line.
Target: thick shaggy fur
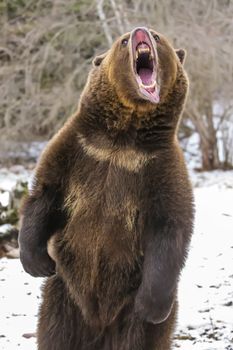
x=112, y=191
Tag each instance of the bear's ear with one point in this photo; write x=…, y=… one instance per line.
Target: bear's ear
x=98, y=59
x=181, y=53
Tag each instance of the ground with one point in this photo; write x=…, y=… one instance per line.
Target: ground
x=205, y=294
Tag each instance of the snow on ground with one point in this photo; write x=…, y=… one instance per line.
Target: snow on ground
x=215, y=179
x=206, y=287
x=19, y=300
x=9, y=178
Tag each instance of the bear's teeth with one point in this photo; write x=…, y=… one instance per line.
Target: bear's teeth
x=148, y=86
x=142, y=50
x=151, y=57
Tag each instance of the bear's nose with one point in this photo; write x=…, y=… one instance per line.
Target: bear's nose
x=140, y=34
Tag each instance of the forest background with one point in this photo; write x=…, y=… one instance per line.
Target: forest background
x=46, y=50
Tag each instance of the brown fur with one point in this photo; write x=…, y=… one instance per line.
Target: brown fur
x=113, y=186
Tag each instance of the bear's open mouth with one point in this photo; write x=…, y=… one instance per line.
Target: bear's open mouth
x=145, y=64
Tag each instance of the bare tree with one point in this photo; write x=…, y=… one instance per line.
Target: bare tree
x=46, y=48
x=102, y=16
x=205, y=29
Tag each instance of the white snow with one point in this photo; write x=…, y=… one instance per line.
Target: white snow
x=4, y=228
x=4, y=199
x=9, y=177
x=206, y=293
x=215, y=179
x=19, y=299
x=206, y=287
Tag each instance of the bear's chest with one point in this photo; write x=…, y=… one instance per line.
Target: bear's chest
x=104, y=207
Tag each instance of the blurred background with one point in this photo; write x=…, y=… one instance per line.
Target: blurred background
x=46, y=50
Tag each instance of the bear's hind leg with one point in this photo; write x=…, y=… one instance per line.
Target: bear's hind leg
x=61, y=325
x=134, y=334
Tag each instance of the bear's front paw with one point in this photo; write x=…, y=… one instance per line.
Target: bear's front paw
x=152, y=309
x=37, y=263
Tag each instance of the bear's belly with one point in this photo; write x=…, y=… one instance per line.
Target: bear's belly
x=101, y=264
x=114, y=289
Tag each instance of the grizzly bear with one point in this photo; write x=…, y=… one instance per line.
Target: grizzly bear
x=112, y=195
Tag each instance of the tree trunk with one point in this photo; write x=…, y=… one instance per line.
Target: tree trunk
x=209, y=153
x=208, y=138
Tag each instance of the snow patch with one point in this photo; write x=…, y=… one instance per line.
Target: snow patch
x=205, y=292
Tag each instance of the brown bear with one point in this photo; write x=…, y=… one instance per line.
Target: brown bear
x=112, y=190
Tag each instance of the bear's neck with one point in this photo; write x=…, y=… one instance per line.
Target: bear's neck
x=101, y=114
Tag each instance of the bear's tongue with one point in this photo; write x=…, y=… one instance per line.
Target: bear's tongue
x=148, y=85
x=146, y=76
x=145, y=65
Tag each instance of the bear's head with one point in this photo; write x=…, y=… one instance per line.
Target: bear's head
x=143, y=69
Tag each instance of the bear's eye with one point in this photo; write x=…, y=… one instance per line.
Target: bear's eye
x=124, y=42
x=156, y=37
